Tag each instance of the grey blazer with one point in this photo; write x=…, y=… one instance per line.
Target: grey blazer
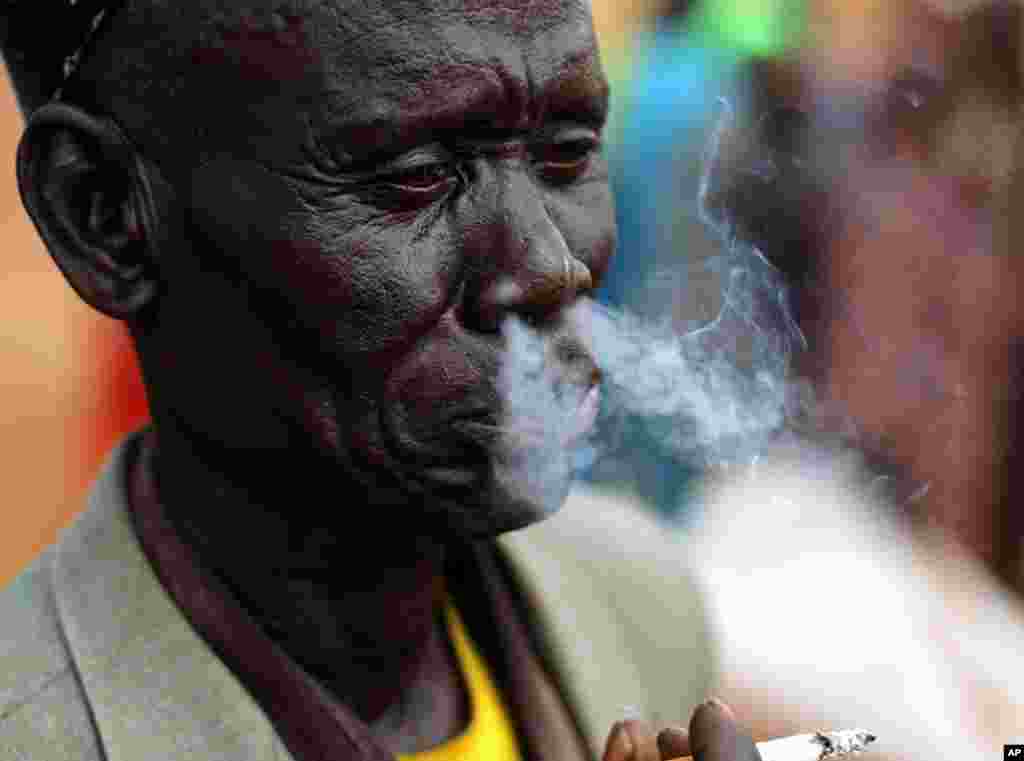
x=97, y=663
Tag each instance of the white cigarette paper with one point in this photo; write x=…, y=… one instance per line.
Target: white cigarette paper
x=815, y=747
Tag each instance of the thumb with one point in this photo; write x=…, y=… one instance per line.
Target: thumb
x=716, y=736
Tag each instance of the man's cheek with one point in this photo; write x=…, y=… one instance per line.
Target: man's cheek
x=359, y=297
x=444, y=375
x=319, y=280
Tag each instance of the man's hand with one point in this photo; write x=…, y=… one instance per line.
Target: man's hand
x=714, y=735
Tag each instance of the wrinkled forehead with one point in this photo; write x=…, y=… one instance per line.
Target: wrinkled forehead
x=387, y=62
x=408, y=44
x=403, y=39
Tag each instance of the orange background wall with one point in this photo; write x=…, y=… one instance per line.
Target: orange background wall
x=60, y=364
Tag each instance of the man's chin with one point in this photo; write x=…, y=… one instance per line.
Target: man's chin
x=502, y=496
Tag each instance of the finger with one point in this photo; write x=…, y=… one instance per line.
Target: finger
x=715, y=735
x=644, y=739
x=673, y=742
x=619, y=746
x=632, y=740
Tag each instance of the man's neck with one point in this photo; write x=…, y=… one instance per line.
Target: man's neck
x=349, y=597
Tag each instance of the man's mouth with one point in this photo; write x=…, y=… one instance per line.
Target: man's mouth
x=534, y=433
x=526, y=426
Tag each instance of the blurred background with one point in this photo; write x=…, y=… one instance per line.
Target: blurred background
x=869, y=151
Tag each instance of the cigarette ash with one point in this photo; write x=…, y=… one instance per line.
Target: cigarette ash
x=815, y=747
x=843, y=742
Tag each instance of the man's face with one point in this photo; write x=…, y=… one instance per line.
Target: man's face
x=382, y=184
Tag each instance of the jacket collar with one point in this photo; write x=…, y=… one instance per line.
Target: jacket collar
x=158, y=691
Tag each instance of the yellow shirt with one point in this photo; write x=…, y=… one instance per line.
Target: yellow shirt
x=489, y=736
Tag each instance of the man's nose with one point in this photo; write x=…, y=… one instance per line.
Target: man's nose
x=518, y=261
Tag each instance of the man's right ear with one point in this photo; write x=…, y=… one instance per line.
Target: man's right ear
x=84, y=186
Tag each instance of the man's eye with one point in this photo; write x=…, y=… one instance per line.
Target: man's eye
x=565, y=160
x=421, y=179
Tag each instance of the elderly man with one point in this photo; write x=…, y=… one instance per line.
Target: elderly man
x=314, y=218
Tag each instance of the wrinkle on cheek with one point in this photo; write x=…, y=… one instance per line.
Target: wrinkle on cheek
x=307, y=271
x=364, y=298
x=341, y=292
x=440, y=373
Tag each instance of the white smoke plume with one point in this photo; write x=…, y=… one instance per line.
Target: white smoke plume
x=539, y=409
x=714, y=397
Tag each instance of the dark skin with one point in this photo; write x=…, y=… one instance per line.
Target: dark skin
x=314, y=218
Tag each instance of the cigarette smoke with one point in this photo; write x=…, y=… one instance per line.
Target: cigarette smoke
x=538, y=409
x=712, y=397
x=715, y=397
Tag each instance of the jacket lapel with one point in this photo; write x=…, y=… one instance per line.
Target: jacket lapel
x=156, y=690
x=502, y=629
x=580, y=634
x=622, y=630
x=620, y=616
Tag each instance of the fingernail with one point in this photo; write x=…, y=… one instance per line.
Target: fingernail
x=673, y=742
x=721, y=707
x=707, y=721
x=621, y=746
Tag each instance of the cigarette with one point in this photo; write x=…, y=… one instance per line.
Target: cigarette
x=813, y=747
